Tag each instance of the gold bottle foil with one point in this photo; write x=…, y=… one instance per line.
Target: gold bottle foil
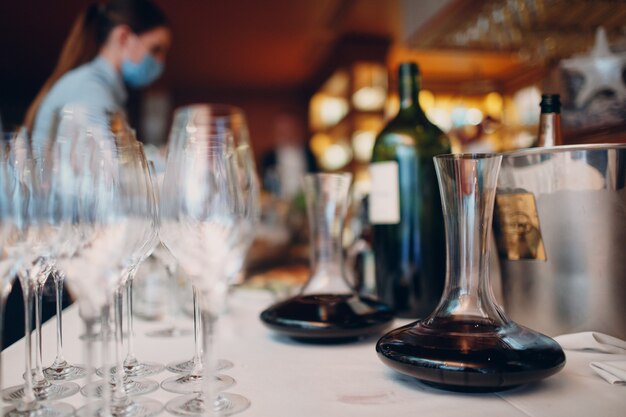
x=516, y=227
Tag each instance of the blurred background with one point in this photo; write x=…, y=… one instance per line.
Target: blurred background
x=326, y=64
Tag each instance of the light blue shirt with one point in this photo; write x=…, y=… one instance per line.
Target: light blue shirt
x=96, y=87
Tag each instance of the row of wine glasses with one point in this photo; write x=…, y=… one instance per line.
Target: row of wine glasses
x=28, y=245
x=83, y=208
x=61, y=201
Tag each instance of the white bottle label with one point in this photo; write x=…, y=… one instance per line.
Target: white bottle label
x=384, y=201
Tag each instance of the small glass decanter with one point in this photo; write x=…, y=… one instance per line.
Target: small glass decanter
x=327, y=308
x=468, y=343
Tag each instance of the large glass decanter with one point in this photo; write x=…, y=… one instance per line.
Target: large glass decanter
x=468, y=343
x=327, y=308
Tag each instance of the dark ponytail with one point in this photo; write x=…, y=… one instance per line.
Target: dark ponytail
x=90, y=31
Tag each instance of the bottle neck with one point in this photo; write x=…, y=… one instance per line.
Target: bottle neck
x=549, y=130
x=408, y=89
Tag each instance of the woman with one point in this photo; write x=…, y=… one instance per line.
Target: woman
x=111, y=45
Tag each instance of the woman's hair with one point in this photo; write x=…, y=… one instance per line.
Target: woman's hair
x=90, y=31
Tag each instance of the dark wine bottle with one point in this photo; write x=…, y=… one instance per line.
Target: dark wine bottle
x=405, y=208
x=549, y=121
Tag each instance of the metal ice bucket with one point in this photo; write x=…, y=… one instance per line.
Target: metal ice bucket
x=560, y=228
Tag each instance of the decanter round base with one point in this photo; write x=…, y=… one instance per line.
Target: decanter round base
x=328, y=318
x=470, y=355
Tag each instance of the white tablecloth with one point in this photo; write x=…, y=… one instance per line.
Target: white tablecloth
x=283, y=378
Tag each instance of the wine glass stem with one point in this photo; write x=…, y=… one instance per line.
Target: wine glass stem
x=208, y=334
x=39, y=378
x=59, y=360
x=29, y=395
x=175, y=309
x=131, y=359
x=119, y=397
x=105, y=333
x=6, y=289
x=197, y=334
x=89, y=359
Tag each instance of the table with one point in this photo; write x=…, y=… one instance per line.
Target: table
x=283, y=378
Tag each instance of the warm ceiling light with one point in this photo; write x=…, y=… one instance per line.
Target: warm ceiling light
x=326, y=111
x=319, y=142
x=370, y=86
x=369, y=98
x=336, y=156
x=363, y=144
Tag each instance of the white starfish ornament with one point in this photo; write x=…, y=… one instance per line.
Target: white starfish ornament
x=601, y=68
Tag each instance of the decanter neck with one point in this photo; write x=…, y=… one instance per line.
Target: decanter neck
x=468, y=187
x=327, y=204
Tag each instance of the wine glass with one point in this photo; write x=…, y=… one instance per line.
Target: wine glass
x=97, y=193
x=225, y=125
x=147, y=240
x=193, y=380
x=28, y=243
x=199, y=225
x=132, y=366
x=138, y=202
x=61, y=370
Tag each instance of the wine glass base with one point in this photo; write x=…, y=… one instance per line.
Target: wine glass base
x=40, y=410
x=142, y=369
x=50, y=391
x=186, y=367
x=170, y=332
x=65, y=373
x=138, y=407
x=225, y=404
x=132, y=388
x=97, y=337
x=188, y=384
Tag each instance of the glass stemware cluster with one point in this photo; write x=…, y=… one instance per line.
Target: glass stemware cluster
x=29, y=250
x=83, y=209
x=75, y=209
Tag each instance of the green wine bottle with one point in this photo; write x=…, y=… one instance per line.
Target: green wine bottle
x=405, y=207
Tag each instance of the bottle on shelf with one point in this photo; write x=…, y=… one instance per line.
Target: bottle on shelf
x=405, y=208
x=549, y=121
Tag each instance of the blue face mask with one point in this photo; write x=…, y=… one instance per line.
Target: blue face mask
x=143, y=73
